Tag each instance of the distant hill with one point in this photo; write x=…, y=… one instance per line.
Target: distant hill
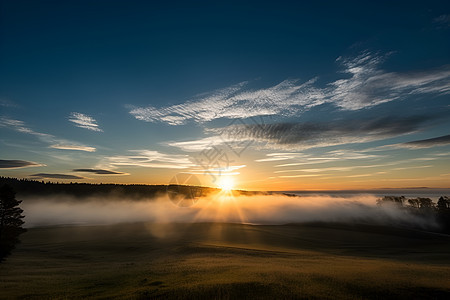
x=27, y=187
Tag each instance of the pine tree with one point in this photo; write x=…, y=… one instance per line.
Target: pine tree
x=10, y=221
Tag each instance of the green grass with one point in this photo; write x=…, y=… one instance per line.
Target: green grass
x=227, y=261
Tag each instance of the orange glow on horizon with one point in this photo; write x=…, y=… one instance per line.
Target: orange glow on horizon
x=226, y=183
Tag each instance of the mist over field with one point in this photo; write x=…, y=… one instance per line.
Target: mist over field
x=256, y=209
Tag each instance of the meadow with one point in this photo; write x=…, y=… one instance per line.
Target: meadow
x=227, y=261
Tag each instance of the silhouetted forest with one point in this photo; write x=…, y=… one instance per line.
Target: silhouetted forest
x=424, y=207
x=27, y=187
x=10, y=220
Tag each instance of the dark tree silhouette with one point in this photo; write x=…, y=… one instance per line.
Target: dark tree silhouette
x=396, y=200
x=10, y=221
x=422, y=204
x=443, y=207
x=414, y=203
x=426, y=203
x=444, y=203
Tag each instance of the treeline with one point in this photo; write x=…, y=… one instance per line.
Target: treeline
x=424, y=207
x=10, y=221
x=28, y=187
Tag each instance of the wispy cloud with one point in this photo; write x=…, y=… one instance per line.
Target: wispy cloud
x=428, y=143
x=365, y=175
x=15, y=164
x=199, y=144
x=20, y=126
x=352, y=168
x=73, y=147
x=417, y=144
x=442, y=154
x=226, y=169
x=306, y=135
x=294, y=136
x=150, y=159
x=55, y=176
x=84, y=121
x=220, y=171
x=411, y=167
x=300, y=175
x=376, y=163
x=369, y=85
x=301, y=158
x=55, y=142
x=442, y=21
x=328, y=169
x=282, y=156
x=7, y=103
x=365, y=85
x=333, y=156
x=100, y=172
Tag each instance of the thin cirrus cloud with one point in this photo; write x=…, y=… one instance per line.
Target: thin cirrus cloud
x=351, y=168
x=16, y=164
x=149, y=159
x=366, y=85
x=200, y=144
x=7, y=103
x=100, y=172
x=84, y=121
x=300, y=159
x=330, y=156
x=442, y=21
x=20, y=126
x=55, y=142
x=219, y=171
x=309, y=134
x=428, y=143
x=73, y=147
x=417, y=144
x=55, y=176
x=331, y=169
x=282, y=156
x=303, y=158
x=300, y=136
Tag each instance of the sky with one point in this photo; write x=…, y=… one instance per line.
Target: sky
x=261, y=95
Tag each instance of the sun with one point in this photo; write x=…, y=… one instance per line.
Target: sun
x=226, y=183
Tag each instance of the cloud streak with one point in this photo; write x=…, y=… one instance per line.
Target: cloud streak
x=55, y=142
x=73, y=147
x=304, y=135
x=84, y=121
x=428, y=143
x=149, y=159
x=366, y=85
x=16, y=164
x=55, y=176
x=100, y=172
x=442, y=21
x=308, y=159
x=20, y=126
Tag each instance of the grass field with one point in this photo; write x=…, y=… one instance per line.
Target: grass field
x=227, y=261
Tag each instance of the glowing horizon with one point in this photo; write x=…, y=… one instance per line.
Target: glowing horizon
x=350, y=105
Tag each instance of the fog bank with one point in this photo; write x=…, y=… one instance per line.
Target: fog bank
x=257, y=209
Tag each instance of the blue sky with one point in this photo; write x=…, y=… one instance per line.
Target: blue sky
x=314, y=95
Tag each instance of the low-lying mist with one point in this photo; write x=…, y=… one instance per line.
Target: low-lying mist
x=255, y=209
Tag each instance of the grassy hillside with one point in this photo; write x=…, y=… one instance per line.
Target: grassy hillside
x=227, y=261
